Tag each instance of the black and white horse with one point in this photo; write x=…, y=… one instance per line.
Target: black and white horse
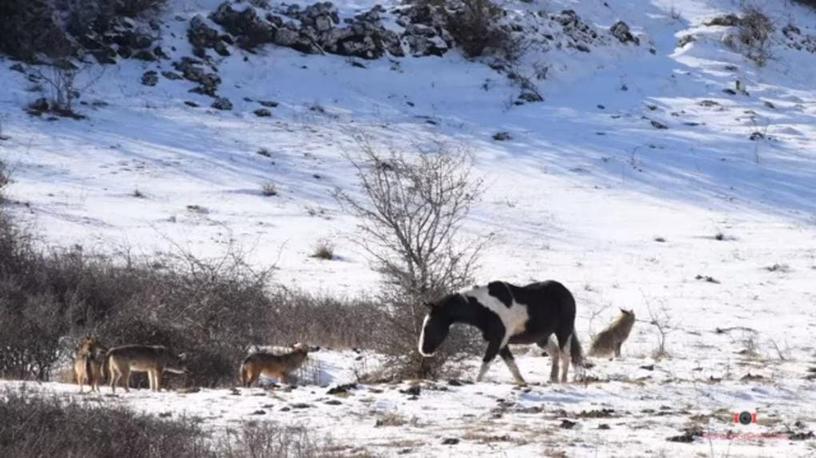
x=507, y=314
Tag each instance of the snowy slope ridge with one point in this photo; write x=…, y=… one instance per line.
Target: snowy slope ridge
x=617, y=184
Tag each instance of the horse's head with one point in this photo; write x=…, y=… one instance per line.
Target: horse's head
x=437, y=323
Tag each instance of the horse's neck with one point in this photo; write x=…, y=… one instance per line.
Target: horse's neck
x=469, y=314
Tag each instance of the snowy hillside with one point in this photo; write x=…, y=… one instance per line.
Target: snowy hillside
x=674, y=176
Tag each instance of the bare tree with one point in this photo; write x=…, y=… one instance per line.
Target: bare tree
x=411, y=212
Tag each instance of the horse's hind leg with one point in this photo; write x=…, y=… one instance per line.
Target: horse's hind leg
x=511, y=364
x=555, y=355
x=565, y=358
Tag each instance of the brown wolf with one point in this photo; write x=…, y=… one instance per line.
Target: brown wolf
x=271, y=365
x=610, y=339
x=153, y=359
x=88, y=363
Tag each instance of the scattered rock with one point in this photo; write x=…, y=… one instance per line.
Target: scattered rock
x=621, y=31
x=657, y=124
x=333, y=402
x=567, y=424
x=222, y=103
x=756, y=135
x=268, y=103
x=258, y=412
x=38, y=107
x=801, y=436
x=751, y=377
x=249, y=29
x=262, y=113
x=301, y=405
x=688, y=435
x=501, y=136
x=648, y=367
x=190, y=103
x=707, y=278
x=188, y=390
x=728, y=20
x=450, y=441
x=191, y=70
x=342, y=389
x=171, y=75
x=150, y=78
x=602, y=413
x=685, y=39
x=413, y=390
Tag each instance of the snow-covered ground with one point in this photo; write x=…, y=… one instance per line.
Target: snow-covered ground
x=587, y=191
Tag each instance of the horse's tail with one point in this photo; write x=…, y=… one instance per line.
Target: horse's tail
x=576, y=353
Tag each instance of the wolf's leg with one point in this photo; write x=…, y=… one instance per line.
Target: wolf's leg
x=126, y=376
x=114, y=377
x=157, y=379
x=618, y=349
x=511, y=364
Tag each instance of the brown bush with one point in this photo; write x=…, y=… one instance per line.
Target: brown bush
x=213, y=310
x=475, y=25
x=32, y=27
x=36, y=425
x=41, y=425
x=754, y=31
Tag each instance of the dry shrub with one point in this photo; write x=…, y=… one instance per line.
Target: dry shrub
x=213, y=310
x=42, y=425
x=754, y=31
x=266, y=439
x=32, y=27
x=324, y=249
x=37, y=425
x=28, y=27
x=809, y=3
x=476, y=27
x=323, y=320
x=411, y=214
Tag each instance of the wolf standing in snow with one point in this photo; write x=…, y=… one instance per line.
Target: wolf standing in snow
x=153, y=359
x=88, y=363
x=610, y=339
x=271, y=365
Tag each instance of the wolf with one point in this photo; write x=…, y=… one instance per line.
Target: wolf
x=271, y=365
x=610, y=339
x=153, y=359
x=88, y=363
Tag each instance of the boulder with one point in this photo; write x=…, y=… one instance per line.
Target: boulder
x=249, y=29
x=150, y=78
x=621, y=31
x=222, y=103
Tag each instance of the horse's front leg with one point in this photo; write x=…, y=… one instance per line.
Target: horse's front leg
x=511, y=364
x=492, y=350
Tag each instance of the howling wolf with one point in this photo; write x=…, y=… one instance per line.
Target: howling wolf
x=610, y=339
